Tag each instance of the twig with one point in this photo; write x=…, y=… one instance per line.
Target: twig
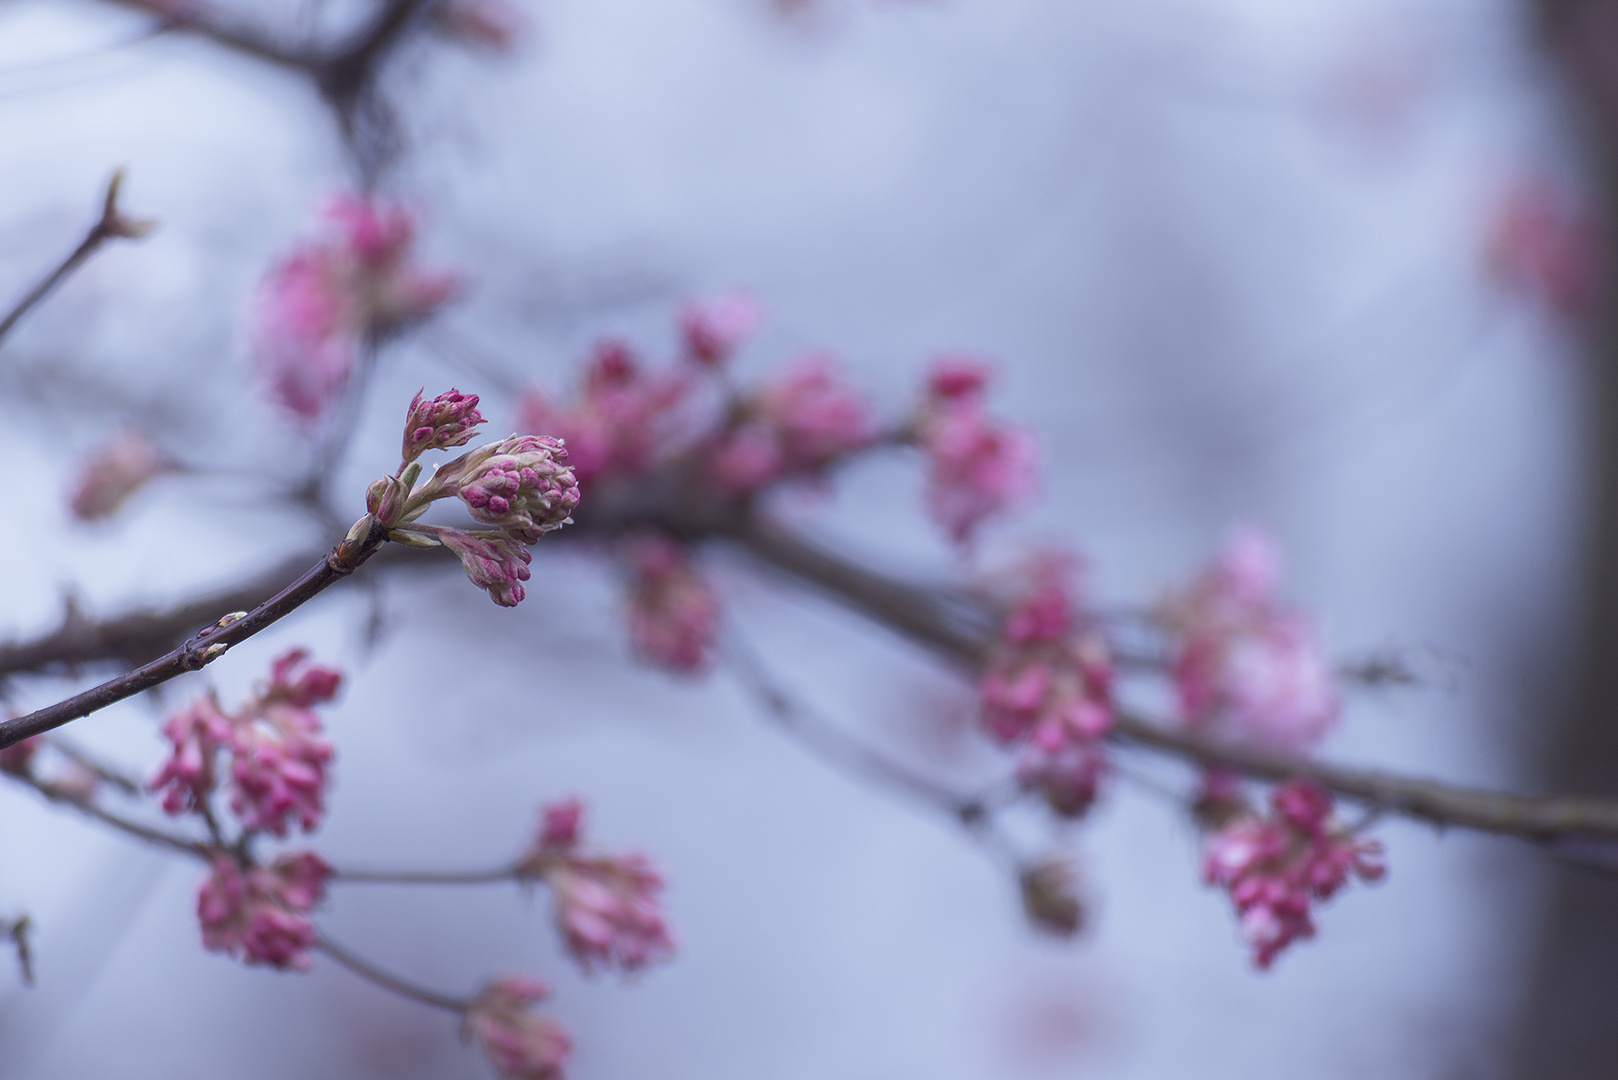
x=208, y=645
x=404, y=988
x=112, y=226
x=427, y=877
x=132, y=828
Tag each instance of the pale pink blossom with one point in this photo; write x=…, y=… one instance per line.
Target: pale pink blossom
x=520, y=1044
x=623, y=420
x=673, y=612
x=196, y=734
x=260, y=914
x=607, y=907
x=1048, y=691
x=796, y=424
x=1545, y=245
x=1276, y=867
x=978, y=465
x=450, y=419
x=493, y=562
x=320, y=303
x=713, y=328
x=115, y=471
x=1246, y=667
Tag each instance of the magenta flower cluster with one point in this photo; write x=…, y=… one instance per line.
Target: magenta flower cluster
x=323, y=301
x=978, y=465
x=607, y=907
x=1276, y=867
x=260, y=913
x=520, y=487
x=1048, y=691
x=1246, y=667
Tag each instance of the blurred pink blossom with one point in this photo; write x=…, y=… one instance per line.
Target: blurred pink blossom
x=196, y=735
x=713, y=328
x=1544, y=244
x=1048, y=691
x=259, y=914
x=1276, y=867
x=1245, y=667
x=519, y=1044
x=607, y=907
x=673, y=612
x=796, y=424
x=978, y=465
x=114, y=471
x=320, y=303
x=490, y=24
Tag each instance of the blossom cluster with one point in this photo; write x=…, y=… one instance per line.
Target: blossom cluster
x=320, y=304
x=1246, y=667
x=1276, y=867
x=520, y=488
x=607, y=907
x=519, y=1044
x=673, y=611
x=978, y=465
x=1048, y=692
x=114, y=472
x=272, y=757
x=260, y=913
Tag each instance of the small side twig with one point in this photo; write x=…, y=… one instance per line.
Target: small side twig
x=496, y=876
x=388, y=981
x=207, y=646
x=113, y=225
x=156, y=837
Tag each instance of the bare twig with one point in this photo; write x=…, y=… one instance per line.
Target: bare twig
x=146, y=833
x=428, y=877
x=112, y=226
x=403, y=987
x=209, y=644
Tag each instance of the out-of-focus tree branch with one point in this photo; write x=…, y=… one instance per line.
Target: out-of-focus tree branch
x=112, y=225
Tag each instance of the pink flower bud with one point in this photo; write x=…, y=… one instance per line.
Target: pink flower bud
x=114, y=472
x=560, y=824
x=673, y=614
x=978, y=466
x=490, y=24
x=714, y=328
x=953, y=378
x=520, y=485
x=519, y=1044
x=18, y=758
x=188, y=778
x=450, y=419
x=494, y=562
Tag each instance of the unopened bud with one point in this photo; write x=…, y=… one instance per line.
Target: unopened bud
x=447, y=420
x=1050, y=897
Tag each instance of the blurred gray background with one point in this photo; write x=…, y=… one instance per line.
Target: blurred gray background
x=1232, y=257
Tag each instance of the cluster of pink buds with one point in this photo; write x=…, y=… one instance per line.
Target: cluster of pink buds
x=278, y=757
x=520, y=487
x=794, y=425
x=519, y=1044
x=624, y=419
x=115, y=471
x=489, y=24
x=1245, y=667
x=673, y=612
x=260, y=914
x=1048, y=691
x=1278, y=866
x=321, y=303
x=978, y=465
x=607, y=907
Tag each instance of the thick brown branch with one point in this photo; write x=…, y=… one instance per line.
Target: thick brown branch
x=111, y=226
x=207, y=645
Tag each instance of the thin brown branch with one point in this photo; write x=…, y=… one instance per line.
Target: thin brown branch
x=1533, y=818
x=145, y=833
x=111, y=226
x=428, y=877
x=208, y=645
x=388, y=981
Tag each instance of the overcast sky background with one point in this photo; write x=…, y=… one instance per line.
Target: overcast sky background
x=1231, y=256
